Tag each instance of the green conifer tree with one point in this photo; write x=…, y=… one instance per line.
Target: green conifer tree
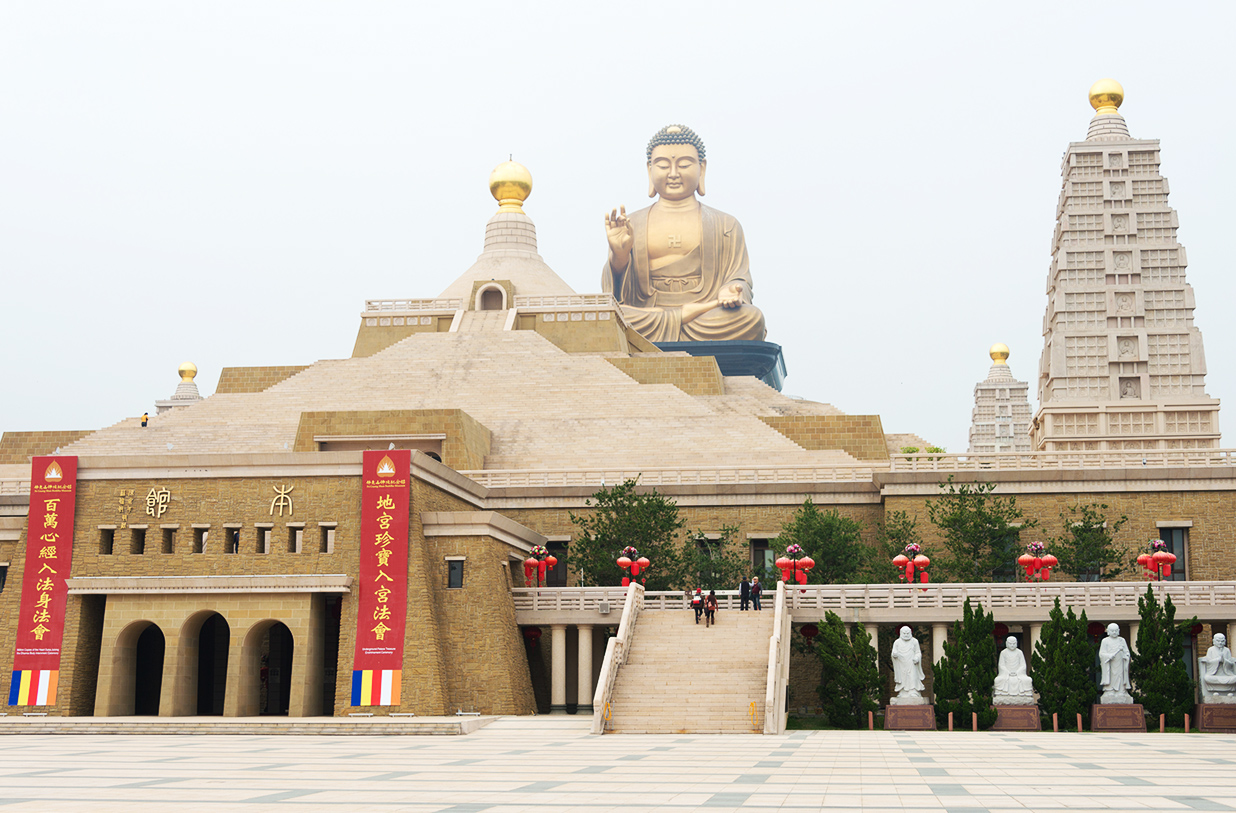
x=1062, y=665
x=850, y=680
x=964, y=676
x=1160, y=678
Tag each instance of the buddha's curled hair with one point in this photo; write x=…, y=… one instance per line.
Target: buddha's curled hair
x=676, y=134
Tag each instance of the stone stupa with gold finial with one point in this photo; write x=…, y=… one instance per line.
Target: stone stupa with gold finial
x=509, y=265
x=1000, y=422
x=186, y=393
x=1123, y=367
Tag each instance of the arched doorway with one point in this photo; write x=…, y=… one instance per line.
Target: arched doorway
x=275, y=693
x=212, y=653
x=148, y=671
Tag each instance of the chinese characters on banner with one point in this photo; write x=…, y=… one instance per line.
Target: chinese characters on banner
x=44, y=594
x=382, y=602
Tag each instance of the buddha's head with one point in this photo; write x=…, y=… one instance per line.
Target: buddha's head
x=1113, y=630
x=676, y=163
x=1220, y=640
x=905, y=633
x=1010, y=642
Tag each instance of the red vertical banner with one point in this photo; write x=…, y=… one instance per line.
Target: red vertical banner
x=44, y=591
x=382, y=596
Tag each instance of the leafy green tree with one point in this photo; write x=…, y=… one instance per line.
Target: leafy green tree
x=892, y=535
x=1158, y=673
x=850, y=685
x=1087, y=549
x=833, y=541
x=964, y=676
x=982, y=532
x=1062, y=664
x=715, y=564
x=622, y=515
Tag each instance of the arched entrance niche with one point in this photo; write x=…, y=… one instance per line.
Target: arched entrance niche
x=137, y=670
x=148, y=685
x=491, y=298
x=204, y=641
x=266, y=670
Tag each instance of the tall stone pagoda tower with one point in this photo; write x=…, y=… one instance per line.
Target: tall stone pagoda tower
x=1122, y=366
x=1001, y=418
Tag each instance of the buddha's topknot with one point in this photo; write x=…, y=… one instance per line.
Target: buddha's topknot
x=676, y=134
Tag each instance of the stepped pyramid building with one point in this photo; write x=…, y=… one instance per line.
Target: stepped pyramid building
x=1001, y=418
x=1123, y=366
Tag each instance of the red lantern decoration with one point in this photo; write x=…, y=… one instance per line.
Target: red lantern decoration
x=551, y=560
x=900, y=561
x=624, y=562
x=784, y=563
x=809, y=631
x=1095, y=629
x=806, y=563
x=531, y=634
x=1000, y=631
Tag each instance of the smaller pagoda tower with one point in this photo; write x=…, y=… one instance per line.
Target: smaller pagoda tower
x=1001, y=418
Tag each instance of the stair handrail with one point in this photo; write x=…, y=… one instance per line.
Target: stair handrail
x=778, y=666
x=616, y=652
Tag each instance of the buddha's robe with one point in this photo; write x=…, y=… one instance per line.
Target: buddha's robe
x=652, y=301
x=1218, y=671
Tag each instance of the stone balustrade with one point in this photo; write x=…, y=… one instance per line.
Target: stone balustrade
x=1072, y=461
x=409, y=305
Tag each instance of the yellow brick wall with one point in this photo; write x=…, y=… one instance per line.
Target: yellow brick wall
x=253, y=379
x=19, y=447
x=599, y=336
x=861, y=436
x=371, y=339
x=694, y=375
x=467, y=441
x=1210, y=547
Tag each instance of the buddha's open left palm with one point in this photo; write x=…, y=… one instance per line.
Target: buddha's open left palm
x=730, y=296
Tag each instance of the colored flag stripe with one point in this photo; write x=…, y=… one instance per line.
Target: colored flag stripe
x=374, y=687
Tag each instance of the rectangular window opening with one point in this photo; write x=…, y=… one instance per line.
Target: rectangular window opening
x=107, y=541
x=327, y=542
x=762, y=558
x=137, y=541
x=4, y=576
x=233, y=541
x=169, y=540
x=1177, y=540
x=454, y=574
x=556, y=576
x=200, y=539
x=296, y=537
x=263, y=540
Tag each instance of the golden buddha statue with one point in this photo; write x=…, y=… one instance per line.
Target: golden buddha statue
x=679, y=268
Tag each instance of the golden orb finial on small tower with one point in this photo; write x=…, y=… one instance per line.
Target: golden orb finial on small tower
x=510, y=183
x=188, y=371
x=999, y=352
x=1105, y=96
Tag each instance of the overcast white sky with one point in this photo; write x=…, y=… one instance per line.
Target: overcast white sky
x=227, y=182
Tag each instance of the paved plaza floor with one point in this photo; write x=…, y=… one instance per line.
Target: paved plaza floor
x=553, y=764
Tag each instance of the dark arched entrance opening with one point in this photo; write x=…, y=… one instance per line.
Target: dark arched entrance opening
x=491, y=300
x=148, y=671
x=212, y=651
x=276, y=691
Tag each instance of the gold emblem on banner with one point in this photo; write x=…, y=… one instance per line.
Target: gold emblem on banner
x=54, y=473
x=386, y=467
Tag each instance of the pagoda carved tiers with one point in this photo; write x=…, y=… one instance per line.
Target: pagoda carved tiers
x=1001, y=418
x=1122, y=365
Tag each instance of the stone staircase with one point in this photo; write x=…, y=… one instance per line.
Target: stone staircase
x=681, y=678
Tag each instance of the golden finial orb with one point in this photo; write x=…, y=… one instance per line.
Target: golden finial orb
x=999, y=352
x=188, y=371
x=510, y=183
x=1105, y=96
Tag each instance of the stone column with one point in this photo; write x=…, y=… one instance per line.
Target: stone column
x=558, y=669
x=584, y=680
x=1134, y=626
x=1036, y=632
x=1229, y=630
x=939, y=634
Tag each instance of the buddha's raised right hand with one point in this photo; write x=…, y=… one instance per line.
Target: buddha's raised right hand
x=621, y=236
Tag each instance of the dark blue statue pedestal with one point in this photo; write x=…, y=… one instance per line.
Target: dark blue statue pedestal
x=763, y=360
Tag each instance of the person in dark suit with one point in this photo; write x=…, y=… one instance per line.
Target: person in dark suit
x=744, y=593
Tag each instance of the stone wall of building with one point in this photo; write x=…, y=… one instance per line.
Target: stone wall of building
x=377, y=333
x=19, y=447
x=861, y=436
x=465, y=447
x=694, y=375
x=253, y=379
